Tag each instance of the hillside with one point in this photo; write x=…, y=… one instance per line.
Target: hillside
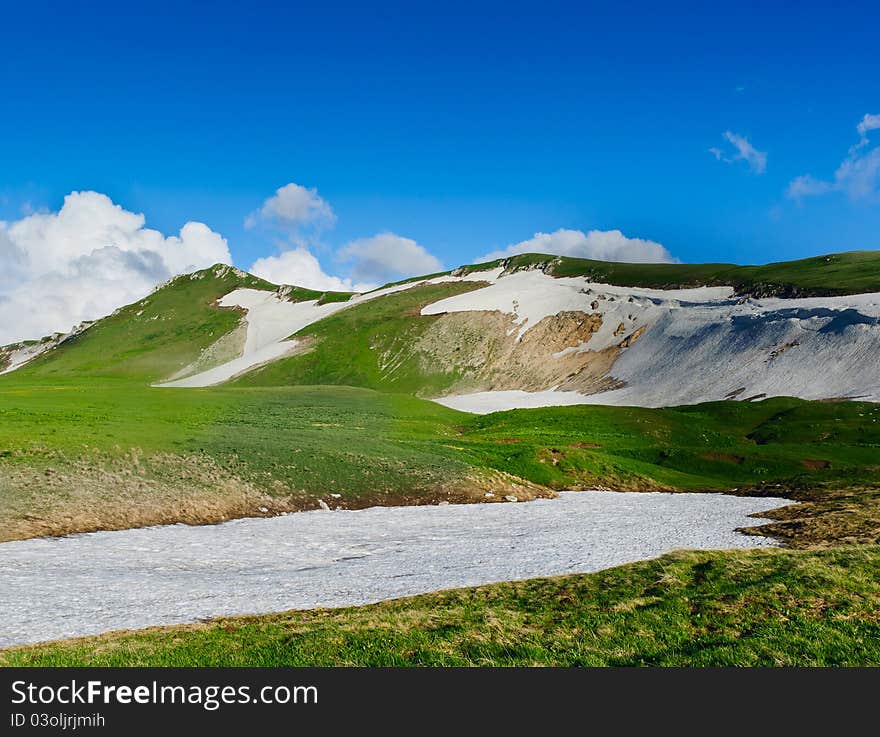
x=286, y=399
x=151, y=338
x=522, y=338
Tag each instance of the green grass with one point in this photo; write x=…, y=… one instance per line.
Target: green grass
x=736, y=608
x=369, y=345
x=853, y=272
x=297, y=444
x=301, y=294
x=718, y=445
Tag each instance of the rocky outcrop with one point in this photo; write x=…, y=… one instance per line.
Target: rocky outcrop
x=482, y=349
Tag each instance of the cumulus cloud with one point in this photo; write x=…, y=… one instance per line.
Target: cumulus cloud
x=86, y=260
x=301, y=213
x=300, y=267
x=371, y=262
x=293, y=207
x=743, y=150
x=386, y=257
x=857, y=176
x=12, y=260
x=601, y=245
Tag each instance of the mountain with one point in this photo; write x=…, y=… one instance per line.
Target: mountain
x=533, y=330
x=221, y=395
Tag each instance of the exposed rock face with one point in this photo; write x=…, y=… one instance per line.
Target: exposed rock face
x=482, y=348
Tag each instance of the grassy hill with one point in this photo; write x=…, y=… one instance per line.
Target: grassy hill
x=152, y=338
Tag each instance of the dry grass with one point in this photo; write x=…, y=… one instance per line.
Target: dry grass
x=106, y=493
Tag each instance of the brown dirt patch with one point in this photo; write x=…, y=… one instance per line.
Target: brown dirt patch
x=812, y=464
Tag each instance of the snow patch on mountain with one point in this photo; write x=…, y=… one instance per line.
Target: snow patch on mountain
x=13, y=357
x=270, y=320
x=692, y=345
x=530, y=296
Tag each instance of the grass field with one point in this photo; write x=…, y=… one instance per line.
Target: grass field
x=108, y=454
x=771, y=607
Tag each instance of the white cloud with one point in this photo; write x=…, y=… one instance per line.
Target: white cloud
x=86, y=260
x=300, y=268
x=373, y=261
x=292, y=207
x=867, y=123
x=12, y=260
x=386, y=257
x=857, y=176
x=601, y=245
x=302, y=213
x=744, y=151
x=806, y=186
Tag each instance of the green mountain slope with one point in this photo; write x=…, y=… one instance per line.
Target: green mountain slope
x=852, y=272
x=152, y=338
x=371, y=345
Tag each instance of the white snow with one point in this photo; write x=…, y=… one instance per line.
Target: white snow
x=20, y=356
x=530, y=296
x=698, y=344
x=483, y=403
x=270, y=320
x=87, y=584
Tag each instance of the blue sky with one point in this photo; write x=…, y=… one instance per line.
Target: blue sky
x=466, y=127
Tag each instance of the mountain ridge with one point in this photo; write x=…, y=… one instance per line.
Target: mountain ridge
x=529, y=330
